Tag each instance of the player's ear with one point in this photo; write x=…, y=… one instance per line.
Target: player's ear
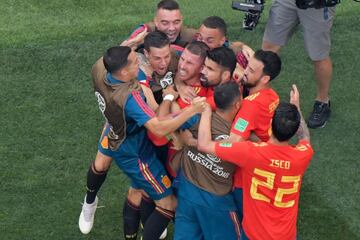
x=238, y=104
x=156, y=22
x=124, y=71
x=225, y=76
x=181, y=18
x=265, y=79
x=223, y=40
x=146, y=53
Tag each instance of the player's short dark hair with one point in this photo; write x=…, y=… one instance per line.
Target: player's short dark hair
x=216, y=22
x=285, y=122
x=168, y=5
x=223, y=56
x=271, y=61
x=115, y=58
x=198, y=48
x=156, y=39
x=226, y=94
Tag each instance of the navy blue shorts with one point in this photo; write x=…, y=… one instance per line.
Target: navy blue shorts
x=146, y=172
x=198, y=222
x=144, y=169
x=203, y=215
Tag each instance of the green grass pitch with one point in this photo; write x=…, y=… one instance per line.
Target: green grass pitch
x=50, y=122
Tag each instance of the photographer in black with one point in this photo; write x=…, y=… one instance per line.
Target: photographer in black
x=316, y=19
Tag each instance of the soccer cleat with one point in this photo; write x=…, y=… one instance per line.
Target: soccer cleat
x=320, y=115
x=164, y=234
x=86, y=219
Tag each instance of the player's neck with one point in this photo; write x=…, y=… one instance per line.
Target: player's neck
x=195, y=81
x=258, y=88
x=122, y=77
x=228, y=117
x=274, y=141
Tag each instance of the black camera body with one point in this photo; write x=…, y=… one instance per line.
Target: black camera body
x=305, y=4
x=252, y=9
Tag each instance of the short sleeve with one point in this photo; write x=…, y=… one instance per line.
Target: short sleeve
x=237, y=153
x=137, y=109
x=245, y=119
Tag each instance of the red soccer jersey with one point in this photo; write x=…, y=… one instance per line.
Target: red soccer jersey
x=255, y=116
x=272, y=177
x=210, y=98
x=199, y=90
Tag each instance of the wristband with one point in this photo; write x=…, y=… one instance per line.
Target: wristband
x=169, y=97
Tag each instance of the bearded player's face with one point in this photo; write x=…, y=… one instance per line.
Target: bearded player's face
x=253, y=73
x=189, y=66
x=211, y=73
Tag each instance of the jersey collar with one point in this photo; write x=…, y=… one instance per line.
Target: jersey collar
x=112, y=80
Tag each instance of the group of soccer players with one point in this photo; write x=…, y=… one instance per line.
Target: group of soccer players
x=192, y=120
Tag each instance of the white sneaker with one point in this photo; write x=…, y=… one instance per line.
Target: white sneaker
x=86, y=219
x=164, y=234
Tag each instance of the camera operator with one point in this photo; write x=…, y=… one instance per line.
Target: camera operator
x=316, y=21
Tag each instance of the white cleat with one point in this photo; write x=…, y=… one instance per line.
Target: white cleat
x=86, y=219
x=164, y=234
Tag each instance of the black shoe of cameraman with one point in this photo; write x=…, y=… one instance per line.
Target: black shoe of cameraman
x=320, y=115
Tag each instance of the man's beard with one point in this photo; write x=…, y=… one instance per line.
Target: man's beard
x=248, y=85
x=204, y=81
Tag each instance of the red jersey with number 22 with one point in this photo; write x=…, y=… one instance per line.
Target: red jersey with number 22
x=272, y=177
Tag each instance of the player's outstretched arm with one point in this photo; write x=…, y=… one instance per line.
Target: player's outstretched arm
x=136, y=40
x=303, y=132
x=247, y=51
x=163, y=127
x=205, y=144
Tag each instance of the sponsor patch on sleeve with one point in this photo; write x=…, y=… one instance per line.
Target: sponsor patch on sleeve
x=241, y=125
x=166, y=181
x=105, y=142
x=225, y=144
